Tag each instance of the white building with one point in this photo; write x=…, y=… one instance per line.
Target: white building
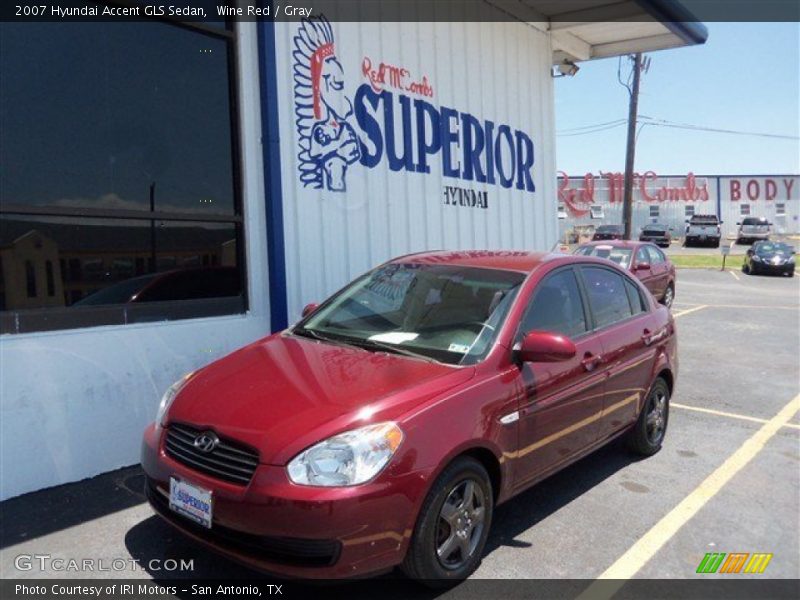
x=192, y=187
x=595, y=199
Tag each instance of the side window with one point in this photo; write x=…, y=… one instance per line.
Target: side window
x=642, y=256
x=608, y=297
x=656, y=257
x=638, y=303
x=556, y=306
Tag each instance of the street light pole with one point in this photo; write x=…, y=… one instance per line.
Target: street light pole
x=627, y=205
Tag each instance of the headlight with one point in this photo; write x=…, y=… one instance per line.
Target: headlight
x=790, y=260
x=349, y=458
x=169, y=396
x=756, y=258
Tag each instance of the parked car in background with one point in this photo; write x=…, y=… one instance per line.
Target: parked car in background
x=385, y=427
x=703, y=230
x=650, y=265
x=752, y=229
x=658, y=234
x=769, y=257
x=607, y=232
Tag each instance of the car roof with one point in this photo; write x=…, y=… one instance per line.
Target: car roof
x=523, y=261
x=629, y=244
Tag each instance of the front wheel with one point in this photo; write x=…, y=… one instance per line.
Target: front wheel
x=452, y=527
x=648, y=434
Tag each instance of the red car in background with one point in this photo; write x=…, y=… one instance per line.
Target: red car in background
x=385, y=427
x=650, y=265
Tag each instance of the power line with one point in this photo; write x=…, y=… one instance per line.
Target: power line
x=598, y=127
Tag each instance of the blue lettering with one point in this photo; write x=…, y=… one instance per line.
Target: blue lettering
x=488, y=127
x=504, y=132
x=525, y=162
x=407, y=160
x=423, y=147
x=449, y=137
x=473, y=148
x=368, y=124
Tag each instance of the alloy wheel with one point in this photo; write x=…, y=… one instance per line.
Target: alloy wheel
x=461, y=522
x=656, y=417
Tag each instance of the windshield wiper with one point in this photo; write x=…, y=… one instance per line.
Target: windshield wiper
x=316, y=335
x=368, y=344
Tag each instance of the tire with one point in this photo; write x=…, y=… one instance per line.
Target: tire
x=648, y=434
x=746, y=269
x=434, y=533
x=669, y=296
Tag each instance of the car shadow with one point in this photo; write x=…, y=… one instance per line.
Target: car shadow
x=155, y=539
x=43, y=512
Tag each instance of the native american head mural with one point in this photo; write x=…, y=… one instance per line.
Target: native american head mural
x=328, y=144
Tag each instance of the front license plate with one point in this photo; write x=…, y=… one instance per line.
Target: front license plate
x=190, y=501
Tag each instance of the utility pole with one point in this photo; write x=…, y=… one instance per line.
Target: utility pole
x=627, y=205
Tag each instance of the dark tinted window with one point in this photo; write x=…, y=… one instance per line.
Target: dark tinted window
x=635, y=297
x=608, y=297
x=656, y=256
x=556, y=306
x=124, y=134
x=609, y=228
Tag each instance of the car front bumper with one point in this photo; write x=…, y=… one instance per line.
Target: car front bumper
x=769, y=268
x=290, y=530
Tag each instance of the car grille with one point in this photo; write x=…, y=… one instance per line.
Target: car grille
x=229, y=461
x=291, y=551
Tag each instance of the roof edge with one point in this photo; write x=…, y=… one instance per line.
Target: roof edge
x=677, y=18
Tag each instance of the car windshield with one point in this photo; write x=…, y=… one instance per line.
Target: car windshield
x=442, y=312
x=621, y=256
x=609, y=228
x=755, y=221
x=655, y=227
x=119, y=293
x=702, y=220
x=773, y=248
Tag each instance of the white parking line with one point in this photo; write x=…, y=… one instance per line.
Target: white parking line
x=689, y=310
x=638, y=555
x=735, y=276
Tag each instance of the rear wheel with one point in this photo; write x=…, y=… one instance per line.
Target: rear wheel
x=648, y=434
x=669, y=296
x=452, y=527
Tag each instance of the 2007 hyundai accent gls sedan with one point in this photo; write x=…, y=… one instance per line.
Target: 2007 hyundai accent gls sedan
x=385, y=427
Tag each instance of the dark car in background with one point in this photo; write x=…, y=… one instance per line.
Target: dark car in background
x=607, y=232
x=703, y=230
x=649, y=264
x=769, y=258
x=752, y=229
x=657, y=234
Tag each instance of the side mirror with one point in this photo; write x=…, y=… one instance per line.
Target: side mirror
x=544, y=346
x=308, y=309
x=642, y=266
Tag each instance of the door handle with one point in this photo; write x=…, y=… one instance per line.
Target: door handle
x=646, y=337
x=590, y=361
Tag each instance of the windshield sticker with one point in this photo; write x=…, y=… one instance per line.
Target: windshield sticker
x=460, y=348
x=394, y=337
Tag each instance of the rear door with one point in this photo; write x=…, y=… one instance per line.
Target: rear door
x=621, y=319
x=659, y=269
x=645, y=275
x=562, y=401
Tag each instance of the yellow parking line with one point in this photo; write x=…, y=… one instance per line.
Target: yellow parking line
x=689, y=310
x=651, y=542
x=720, y=413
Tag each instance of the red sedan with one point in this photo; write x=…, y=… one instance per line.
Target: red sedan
x=385, y=427
x=645, y=260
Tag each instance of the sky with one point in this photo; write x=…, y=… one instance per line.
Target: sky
x=744, y=78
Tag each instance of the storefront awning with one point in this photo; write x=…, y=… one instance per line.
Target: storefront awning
x=591, y=29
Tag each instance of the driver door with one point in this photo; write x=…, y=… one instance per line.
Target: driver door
x=561, y=401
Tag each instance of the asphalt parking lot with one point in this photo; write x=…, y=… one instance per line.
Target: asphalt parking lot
x=726, y=480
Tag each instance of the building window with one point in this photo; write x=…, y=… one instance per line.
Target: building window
x=654, y=211
x=597, y=211
x=562, y=211
x=780, y=209
x=744, y=209
x=688, y=210
x=127, y=201
x=30, y=279
x=51, y=280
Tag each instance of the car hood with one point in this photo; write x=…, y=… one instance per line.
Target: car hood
x=283, y=394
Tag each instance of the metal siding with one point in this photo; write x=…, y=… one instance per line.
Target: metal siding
x=493, y=71
x=787, y=192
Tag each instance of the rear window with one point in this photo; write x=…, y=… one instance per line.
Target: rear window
x=621, y=256
x=704, y=220
x=754, y=221
x=609, y=228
